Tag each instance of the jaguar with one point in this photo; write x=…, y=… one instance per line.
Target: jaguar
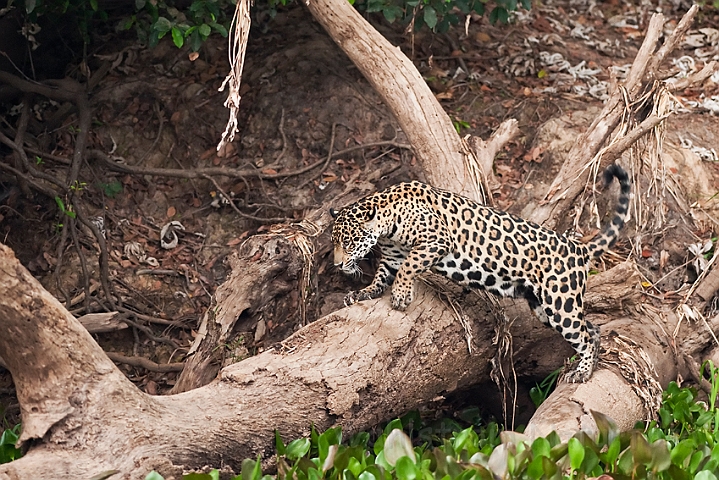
x=419, y=228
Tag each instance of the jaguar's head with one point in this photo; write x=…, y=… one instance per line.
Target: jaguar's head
x=353, y=235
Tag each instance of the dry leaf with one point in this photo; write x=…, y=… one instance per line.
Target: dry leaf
x=171, y=212
x=482, y=37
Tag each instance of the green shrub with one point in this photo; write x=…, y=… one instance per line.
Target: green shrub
x=8, y=439
x=682, y=445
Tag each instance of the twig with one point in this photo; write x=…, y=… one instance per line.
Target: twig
x=143, y=362
x=157, y=320
x=673, y=40
x=19, y=140
x=150, y=271
x=161, y=120
x=104, y=262
x=40, y=153
x=44, y=189
x=615, y=150
x=329, y=156
x=26, y=164
x=72, y=225
x=58, y=266
x=284, y=137
x=151, y=335
x=238, y=211
x=50, y=91
x=695, y=78
x=223, y=171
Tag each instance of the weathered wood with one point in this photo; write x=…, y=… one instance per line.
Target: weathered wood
x=353, y=368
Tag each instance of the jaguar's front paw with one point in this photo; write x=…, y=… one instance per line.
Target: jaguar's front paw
x=401, y=300
x=354, y=297
x=580, y=374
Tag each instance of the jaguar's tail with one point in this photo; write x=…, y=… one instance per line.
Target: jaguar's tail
x=599, y=244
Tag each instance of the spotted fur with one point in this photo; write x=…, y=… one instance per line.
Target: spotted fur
x=419, y=227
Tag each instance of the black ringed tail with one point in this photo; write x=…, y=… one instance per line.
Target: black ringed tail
x=604, y=240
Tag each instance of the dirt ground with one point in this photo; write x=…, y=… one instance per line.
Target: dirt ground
x=301, y=98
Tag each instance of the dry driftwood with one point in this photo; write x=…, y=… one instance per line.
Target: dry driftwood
x=338, y=370
x=353, y=368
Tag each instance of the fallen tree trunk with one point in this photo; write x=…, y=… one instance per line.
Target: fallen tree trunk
x=353, y=368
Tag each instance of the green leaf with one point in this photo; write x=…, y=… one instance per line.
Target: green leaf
x=682, y=451
x=641, y=450
x=535, y=470
x=705, y=475
x=30, y=5
x=177, y=38
x=576, y=453
x=198, y=476
x=298, y=448
x=467, y=440
x=406, y=469
x=550, y=468
x=251, y=469
x=205, y=30
x=696, y=459
x=219, y=28
x=661, y=459
x=279, y=444
x=195, y=41
x=613, y=451
x=541, y=447
x=626, y=462
x=162, y=26
x=430, y=17
x=393, y=425
x=366, y=476
x=153, y=475
x=360, y=439
x=392, y=13
x=313, y=474
x=8, y=440
x=140, y=4
x=498, y=14
x=608, y=430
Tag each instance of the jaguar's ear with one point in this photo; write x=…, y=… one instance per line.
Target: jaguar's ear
x=333, y=212
x=370, y=219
